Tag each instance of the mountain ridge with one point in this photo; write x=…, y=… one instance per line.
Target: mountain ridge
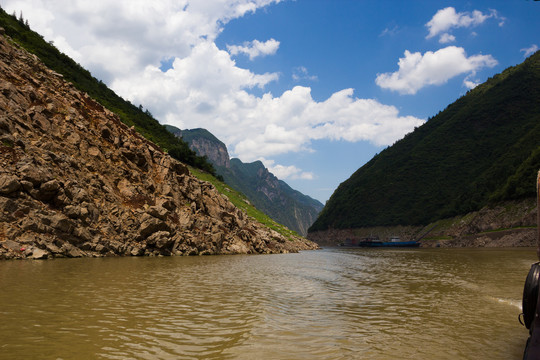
x=275, y=197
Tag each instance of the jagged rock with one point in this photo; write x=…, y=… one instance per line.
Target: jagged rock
x=94, y=151
x=9, y=184
x=73, y=138
x=39, y=254
x=11, y=245
x=160, y=240
x=49, y=189
x=158, y=212
x=34, y=174
x=126, y=189
x=150, y=225
x=71, y=251
x=167, y=203
x=61, y=223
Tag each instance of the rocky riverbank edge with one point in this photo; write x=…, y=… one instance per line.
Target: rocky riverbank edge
x=508, y=224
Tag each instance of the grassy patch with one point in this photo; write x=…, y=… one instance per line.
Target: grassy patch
x=241, y=202
x=505, y=229
x=437, y=238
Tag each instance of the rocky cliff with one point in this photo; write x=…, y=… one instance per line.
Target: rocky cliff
x=206, y=144
x=274, y=197
x=75, y=181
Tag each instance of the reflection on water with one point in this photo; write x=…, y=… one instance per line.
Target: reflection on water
x=330, y=304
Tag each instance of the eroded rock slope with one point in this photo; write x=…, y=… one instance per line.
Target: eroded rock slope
x=75, y=181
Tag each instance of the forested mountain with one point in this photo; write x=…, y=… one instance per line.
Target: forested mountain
x=484, y=147
x=267, y=193
x=142, y=120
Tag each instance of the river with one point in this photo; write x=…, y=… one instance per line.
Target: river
x=328, y=304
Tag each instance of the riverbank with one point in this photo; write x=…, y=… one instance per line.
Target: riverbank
x=508, y=224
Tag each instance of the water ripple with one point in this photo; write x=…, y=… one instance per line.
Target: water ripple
x=334, y=304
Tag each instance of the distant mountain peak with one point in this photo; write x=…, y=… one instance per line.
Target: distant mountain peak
x=204, y=143
x=269, y=194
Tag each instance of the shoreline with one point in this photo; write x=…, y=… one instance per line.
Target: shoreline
x=507, y=224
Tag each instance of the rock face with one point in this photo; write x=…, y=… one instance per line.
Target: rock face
x=206, y=144
x=75, y=181
x=269, y=194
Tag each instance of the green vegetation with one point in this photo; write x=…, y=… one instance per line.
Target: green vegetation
x=199, y=133
x=241, y=202
x=132, y=115
x=483, y=148
x=271, y=195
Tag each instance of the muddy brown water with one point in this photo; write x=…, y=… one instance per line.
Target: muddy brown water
x=329, y=304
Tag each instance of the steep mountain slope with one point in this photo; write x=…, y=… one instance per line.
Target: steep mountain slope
x=143, y=121
x=269, y=194
x=484, y=147
x=76, y=181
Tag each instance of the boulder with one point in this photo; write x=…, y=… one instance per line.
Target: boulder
x=71, y=251
x=160, y=240
x=150, y=225
x=11, y=245
x=32, y=173
x=9, y=184
x=61, y=223
x=158, y=212
x=49, y=189
x=39, y=254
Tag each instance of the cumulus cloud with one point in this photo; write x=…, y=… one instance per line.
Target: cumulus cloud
x=432, y=68
x=125, y=42
x=447, y=38
x=530, y=50
x=447, y=19
x=287, y=172
x=114, y=38
x=255, y=48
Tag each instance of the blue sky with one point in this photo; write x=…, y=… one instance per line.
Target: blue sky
x=313, y=88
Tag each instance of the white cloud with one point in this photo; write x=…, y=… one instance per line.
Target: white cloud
x=447, y=38
x=301, y=73
x=287, y=172
x=530, y=50
x=447, y=19
x=432, y=68
x=115, y=38
x=123, y=43
x=255, y=48
x=390, y=32
x=470, y=83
